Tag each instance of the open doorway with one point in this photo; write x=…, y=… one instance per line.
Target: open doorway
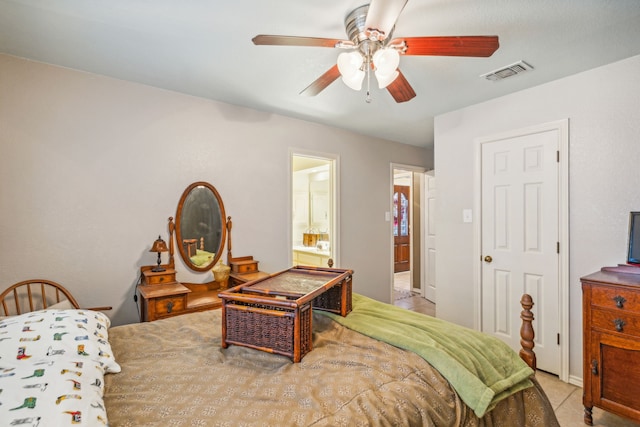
x=313, y=210
x=402, y=227
x=407, y=224
x=413, y=236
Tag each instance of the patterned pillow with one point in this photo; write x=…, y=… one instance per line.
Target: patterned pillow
x=50, y=334
x=53, y=362
x=52, y=393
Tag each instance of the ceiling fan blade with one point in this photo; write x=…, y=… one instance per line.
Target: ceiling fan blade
x=266, y=39
x=382, y=16
x=450, y=46
x=322, y=82
x=400, y=89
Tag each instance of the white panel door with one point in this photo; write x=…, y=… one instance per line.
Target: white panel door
x=430, y=234
x=520, y=234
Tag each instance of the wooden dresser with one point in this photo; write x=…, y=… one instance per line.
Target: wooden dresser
x=611, y=338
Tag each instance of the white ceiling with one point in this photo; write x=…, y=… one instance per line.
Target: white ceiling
x=203, y=48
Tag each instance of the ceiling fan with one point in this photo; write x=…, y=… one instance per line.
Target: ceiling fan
x=371, y=48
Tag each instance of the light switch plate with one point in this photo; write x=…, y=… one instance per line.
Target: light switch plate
x=467, y=215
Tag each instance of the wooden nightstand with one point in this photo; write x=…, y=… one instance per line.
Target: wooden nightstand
x=160, y=294
x=162, y=300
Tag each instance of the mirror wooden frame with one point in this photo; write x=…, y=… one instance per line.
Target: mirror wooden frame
x=178, y=224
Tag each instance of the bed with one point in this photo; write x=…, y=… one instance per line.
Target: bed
x=175, y=372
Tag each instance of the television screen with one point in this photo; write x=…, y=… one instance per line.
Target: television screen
x=634, y=238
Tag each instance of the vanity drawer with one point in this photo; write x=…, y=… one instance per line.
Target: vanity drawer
x=160, y=277
x=171, y=305
x=615, y=298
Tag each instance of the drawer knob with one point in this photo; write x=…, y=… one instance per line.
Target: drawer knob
x=620, y=300
x=169, y=306
x=619, y=324
x=594, y=367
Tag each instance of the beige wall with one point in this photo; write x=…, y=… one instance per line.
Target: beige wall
x=92, y=167
x=603, y=108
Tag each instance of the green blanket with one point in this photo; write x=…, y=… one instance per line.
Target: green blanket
x=482, y=369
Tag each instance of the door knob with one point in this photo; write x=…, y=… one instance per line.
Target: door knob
x=488, y=258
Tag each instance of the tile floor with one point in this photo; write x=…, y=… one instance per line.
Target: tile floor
x=565, y=398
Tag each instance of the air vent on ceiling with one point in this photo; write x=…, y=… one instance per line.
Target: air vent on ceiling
x=508, y=71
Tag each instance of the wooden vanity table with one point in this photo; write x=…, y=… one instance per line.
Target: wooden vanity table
x=161, y=294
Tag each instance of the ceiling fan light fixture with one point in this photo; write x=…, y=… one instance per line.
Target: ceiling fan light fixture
x=355, y=81
x=349, y=63
x=369, y=29
x=385, y=80
x=386, y=60
x=350, y=67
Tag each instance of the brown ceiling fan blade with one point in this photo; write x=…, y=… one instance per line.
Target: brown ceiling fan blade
x=383, y=14
x=266, y=39
x=450, y=46
x=322, y=82
x=400, y=89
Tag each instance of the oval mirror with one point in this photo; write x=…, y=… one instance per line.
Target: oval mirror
x=200, y=226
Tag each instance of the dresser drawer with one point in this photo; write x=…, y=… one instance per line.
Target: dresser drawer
x=171, y=305
x=615, y=298
x=612, y=321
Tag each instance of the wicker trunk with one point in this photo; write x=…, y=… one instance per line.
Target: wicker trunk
x=274, y=314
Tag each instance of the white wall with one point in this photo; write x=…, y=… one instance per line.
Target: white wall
x=92, y=167
x=603, y=108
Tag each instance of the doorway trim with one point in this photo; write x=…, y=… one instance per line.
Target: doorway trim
x=416, y=240
x=335, y=210
x=562, y=127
